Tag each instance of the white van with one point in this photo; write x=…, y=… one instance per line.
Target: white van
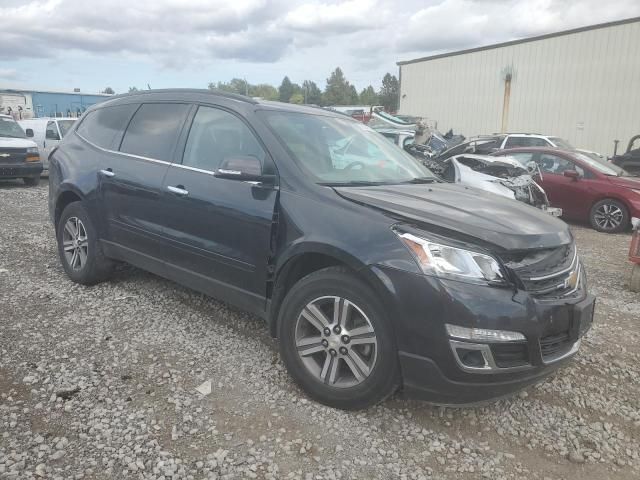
x=47, y=133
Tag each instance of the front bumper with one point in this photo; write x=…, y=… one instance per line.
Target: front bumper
x=20, y=170
x=454, y=371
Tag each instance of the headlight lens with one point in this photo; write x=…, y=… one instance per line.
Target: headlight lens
x=452, y=262
x=33, y=155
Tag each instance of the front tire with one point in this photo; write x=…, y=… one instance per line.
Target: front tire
x=609, y=216
x=336, y=340
x=79, y=247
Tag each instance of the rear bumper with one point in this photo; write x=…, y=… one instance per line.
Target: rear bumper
x=20, y=170
x=432, y=362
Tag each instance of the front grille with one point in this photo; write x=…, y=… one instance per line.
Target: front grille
x=549, y=273
x=12, y=155
x=508, y=355
x=553, y=346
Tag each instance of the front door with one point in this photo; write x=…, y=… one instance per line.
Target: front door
x=570, y=194
x=219, y=230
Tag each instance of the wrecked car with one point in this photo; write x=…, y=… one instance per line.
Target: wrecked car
x=503, y=176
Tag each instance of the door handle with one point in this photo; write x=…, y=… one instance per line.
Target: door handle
x=107, y=173
x=178, y=190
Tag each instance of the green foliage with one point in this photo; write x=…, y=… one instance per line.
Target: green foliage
x=389, y=92
x=264, y=91
x=368, y=96
x=312, y=93
x=297, y=98
x=109, y=91
x=236, y=85
x=133, y=89
x=338, y=90
x=285, y=90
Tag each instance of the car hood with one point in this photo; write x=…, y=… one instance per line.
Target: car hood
x=10, y=142
x=629, y=182
x=506, y=223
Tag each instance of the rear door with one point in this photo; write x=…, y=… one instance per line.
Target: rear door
x=219, y=230
x=131, y=179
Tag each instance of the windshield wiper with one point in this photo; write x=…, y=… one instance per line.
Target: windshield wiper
x=353, y=183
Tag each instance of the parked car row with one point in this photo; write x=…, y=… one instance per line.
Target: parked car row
x=372, y=273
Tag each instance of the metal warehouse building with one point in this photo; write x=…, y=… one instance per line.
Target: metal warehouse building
x=31, y=103
x=581, y=84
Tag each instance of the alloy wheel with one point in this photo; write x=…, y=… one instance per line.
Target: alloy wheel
x=75, y=243
x=608, y=216
x=336, y=341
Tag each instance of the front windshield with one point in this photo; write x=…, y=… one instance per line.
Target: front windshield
x=602, y=167
x=10, y=128
x=65, y=125
x=342, y=152
x=561, y=143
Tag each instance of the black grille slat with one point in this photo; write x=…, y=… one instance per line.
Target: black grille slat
x=554, y=345
x=508, y=355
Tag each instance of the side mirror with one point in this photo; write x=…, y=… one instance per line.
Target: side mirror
x=29, y=132
x=245, y=168
x=572, y=174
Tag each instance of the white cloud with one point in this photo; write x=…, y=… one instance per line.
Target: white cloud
x=349, y=16
x=8, y=73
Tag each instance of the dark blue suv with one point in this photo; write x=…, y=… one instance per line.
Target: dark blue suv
x=373, y=274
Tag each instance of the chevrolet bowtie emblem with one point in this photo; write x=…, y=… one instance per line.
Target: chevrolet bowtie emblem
x=572, y=280
x=5, y=155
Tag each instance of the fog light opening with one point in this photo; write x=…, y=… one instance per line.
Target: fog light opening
x=472, y=358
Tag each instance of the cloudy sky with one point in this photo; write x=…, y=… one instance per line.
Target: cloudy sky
x=62, y=44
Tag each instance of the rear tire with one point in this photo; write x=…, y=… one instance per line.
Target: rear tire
x=31, y=181
x=609, y=216
x=349, y=373
x=79, y=247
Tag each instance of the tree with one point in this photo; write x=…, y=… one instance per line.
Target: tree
x=297, y=98
x=353, y=95
x=368, y=96
x=108, y=91
x=312, y=93
x=338, y=91
x=133, y=89
x=236, y=85
x=285, y=90
x=389, y=92
x=264, y=91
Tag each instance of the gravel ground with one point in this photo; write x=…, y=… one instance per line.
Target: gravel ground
x=100, y=383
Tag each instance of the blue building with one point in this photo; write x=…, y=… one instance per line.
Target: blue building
x=34, y=104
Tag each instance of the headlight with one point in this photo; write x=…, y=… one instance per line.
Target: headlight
x=33, y=155
x=452, y=262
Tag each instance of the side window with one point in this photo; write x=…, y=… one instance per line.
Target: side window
x=538, y=142
x=154, y=130
x=105, y=126
x=217, y=135
x=52, y=131
x=555, y=165
x=514, y=142
x=523, y=158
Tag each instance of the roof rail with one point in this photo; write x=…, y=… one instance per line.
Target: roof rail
x=207, y=91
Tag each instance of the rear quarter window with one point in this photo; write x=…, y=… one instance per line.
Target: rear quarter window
x=105, y=126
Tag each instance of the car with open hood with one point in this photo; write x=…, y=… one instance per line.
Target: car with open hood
x=373, y=274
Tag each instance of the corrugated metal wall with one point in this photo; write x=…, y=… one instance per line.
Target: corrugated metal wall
x=52, y=104
x=584, y=87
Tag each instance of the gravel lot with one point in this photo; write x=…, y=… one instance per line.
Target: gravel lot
x=100, y=383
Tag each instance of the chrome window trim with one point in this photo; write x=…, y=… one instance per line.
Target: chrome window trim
x=139, y=157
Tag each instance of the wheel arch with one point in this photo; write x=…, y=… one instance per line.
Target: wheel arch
x=304, y=259
x=67, y=195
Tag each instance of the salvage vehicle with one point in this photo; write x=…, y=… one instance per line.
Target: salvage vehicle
x=630, y=160
x=503, y=176
x=585, y=188
x=372, y=273
x=47, y=133
x=19, y=156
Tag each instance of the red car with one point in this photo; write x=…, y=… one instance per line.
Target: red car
x=583, y=186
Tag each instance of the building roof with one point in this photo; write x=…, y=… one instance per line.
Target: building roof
x=34, y=90
x=522, y=40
